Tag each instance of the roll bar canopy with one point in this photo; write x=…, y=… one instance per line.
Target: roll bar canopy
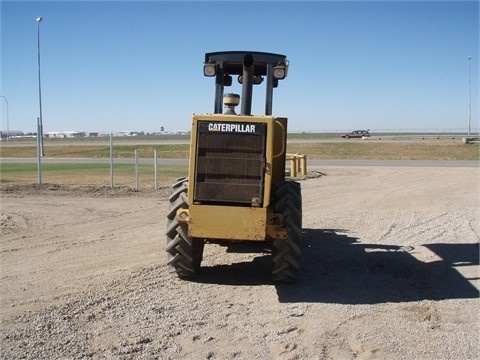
x=251, y=67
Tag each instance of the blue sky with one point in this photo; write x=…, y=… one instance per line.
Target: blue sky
x=136, y=66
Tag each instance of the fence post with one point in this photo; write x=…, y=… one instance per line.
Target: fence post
x=111, y=160
x=155, y=169
x=136, y=169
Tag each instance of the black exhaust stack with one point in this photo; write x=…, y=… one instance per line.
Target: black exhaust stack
x=247, y=82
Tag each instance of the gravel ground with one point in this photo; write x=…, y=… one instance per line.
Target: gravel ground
x=390, y=271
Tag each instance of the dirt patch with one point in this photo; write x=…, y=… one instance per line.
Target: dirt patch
x=78, y=190
x=390, y=270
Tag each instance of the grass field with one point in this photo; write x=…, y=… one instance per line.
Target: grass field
x=378, y=150
x=90, y=174
x=58, y=150
x=124, y=174
x=384, y=150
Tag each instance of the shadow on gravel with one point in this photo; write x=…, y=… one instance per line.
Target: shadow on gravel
x=336, y=268
x=256, y=272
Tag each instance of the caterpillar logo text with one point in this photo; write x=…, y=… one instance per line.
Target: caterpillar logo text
x=231, y=127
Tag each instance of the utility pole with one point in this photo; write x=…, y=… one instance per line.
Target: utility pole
x=469, y=96
x=40, y=127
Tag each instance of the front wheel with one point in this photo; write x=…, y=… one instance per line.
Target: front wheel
x=287, y=252
x=184, y=253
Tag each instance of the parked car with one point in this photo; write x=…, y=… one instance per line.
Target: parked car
x=356, y=134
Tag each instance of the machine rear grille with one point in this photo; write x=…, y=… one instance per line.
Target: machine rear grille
x=230, y=164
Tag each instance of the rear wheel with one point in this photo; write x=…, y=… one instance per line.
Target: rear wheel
x=184, y=252
x=287, y=252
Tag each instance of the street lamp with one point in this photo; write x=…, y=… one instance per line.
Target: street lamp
x=8, y=126
x=469, y=95
x=39, y=20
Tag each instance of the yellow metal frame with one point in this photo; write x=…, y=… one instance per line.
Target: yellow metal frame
x=298, y=164
x=232, y=222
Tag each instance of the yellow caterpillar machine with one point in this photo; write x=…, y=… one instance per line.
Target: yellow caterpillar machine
x=236, y=188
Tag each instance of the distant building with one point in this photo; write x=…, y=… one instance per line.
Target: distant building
x=11, y=134
x=64, y=134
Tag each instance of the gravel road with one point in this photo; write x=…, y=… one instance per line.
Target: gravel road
x=390, y=271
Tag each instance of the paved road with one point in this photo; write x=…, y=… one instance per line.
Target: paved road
x=312, y=164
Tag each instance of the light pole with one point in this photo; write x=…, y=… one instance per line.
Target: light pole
x=39, y=20
x=469, y=95
x=8, y=126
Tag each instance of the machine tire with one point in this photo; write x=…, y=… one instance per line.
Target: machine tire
x=287, y=252
x=184, y=253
